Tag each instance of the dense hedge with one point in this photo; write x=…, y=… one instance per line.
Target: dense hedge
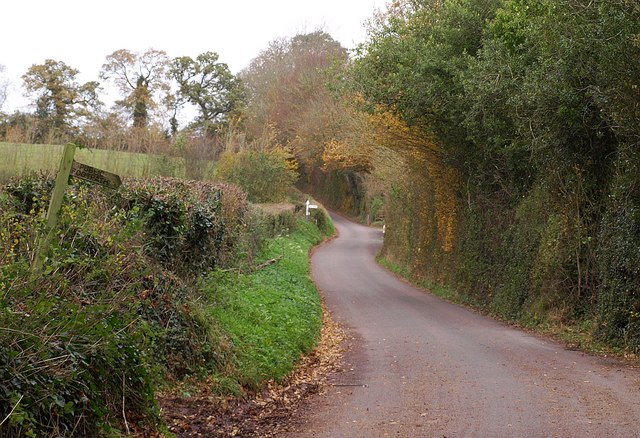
x=116, y=312
x=266, y=175
x=531, y=207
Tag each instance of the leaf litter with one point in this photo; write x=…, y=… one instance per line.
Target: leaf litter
x=266, y=413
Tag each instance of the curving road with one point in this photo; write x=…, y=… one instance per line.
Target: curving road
x=421, y=367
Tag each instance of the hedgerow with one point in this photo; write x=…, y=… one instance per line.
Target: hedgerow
x=523, y=192
x=116, y=311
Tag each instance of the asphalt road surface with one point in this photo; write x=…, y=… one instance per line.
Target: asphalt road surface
x=421, y=367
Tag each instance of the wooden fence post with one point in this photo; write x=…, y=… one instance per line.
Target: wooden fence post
x=44, y=240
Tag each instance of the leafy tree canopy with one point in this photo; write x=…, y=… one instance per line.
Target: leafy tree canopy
x=60, y=100
x=208, y=85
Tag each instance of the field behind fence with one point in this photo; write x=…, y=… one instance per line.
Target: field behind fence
x=22, y=159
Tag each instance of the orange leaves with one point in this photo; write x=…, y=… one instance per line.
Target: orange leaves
x=414, y=142
x=426, y=179
x=339, y=155
x=406, y=157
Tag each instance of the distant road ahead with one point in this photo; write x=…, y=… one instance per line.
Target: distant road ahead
x=421, y=367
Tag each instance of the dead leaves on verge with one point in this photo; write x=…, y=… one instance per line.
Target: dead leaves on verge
x=266, y=413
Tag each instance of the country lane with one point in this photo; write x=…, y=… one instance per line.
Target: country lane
x=421, y=367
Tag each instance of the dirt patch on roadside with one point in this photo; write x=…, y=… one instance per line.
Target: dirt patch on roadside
x=267, y=413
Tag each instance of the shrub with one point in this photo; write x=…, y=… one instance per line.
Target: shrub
x=74, y=359
x=266, y=176
x=192, y=227
x=618, y=255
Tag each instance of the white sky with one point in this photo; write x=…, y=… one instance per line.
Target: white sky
x=82, y=33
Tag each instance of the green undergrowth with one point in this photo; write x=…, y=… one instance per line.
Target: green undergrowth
x=272, y=315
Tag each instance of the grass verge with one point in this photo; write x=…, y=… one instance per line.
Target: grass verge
x=271, y=315
x=446, y=292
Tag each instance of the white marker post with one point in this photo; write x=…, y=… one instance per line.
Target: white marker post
x=309, y=206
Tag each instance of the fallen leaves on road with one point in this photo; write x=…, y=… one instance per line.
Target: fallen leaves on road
x=266, y=413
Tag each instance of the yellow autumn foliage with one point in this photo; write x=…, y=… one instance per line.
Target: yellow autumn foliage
x=340, y=155
x=406, y=157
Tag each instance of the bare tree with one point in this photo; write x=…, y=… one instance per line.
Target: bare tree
x=141, y=79
x=288, y=92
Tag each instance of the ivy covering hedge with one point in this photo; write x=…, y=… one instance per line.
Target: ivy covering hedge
x=117, y=310
x=523, y=194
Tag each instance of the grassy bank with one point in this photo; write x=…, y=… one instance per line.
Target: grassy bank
x=578, y=335
x=145, y=287
x=271, y=315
